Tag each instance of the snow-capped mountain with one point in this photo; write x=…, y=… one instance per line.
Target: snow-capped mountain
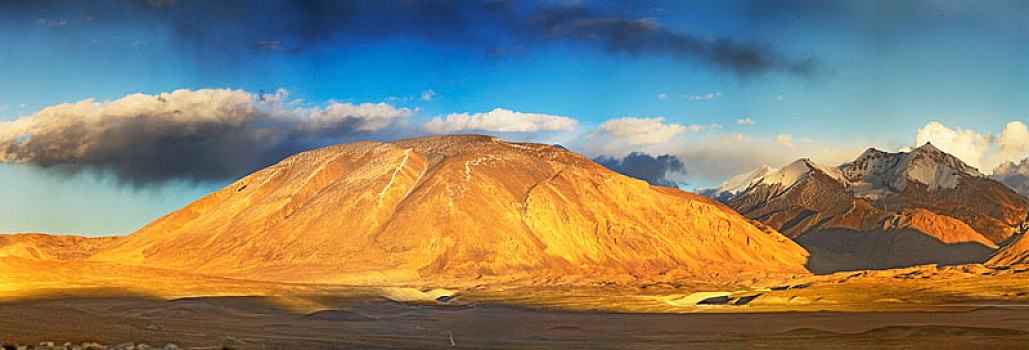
x=872, y=175
x=876, y=173
x=800, y=169
x=884, y=209
x=737, y=184
x=781, y=179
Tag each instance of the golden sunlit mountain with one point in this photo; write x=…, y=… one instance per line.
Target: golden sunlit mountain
x=460, y=206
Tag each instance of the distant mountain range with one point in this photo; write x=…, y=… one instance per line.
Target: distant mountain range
x=883, y=210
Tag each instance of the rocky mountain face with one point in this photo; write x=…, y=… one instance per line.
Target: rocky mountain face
x=461, y=206
x=886, y=210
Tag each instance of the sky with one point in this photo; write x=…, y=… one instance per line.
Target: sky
x=113, y=113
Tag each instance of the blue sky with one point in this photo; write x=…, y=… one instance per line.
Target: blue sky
x=882, y=70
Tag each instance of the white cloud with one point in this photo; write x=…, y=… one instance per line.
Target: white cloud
x=499, y=120
x=737, y=138
x=698, y=127
x=707, y=96
x=643, y=131
x=22, y=105
x=662, y=96
x=785, y=139
x=428, y=95
x=778, y=98
x=360, y=117
x=1014, y=138
x=745, y=121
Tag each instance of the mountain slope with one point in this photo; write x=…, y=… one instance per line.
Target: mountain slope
x=1015, y=252
x=460, y=206
x=886, y=210
x=38, y=246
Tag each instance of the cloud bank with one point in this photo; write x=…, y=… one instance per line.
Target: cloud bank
x=640, y=131
x=220, y=134
x=210, y=134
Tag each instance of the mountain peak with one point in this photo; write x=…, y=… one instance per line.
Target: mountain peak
x=798, y=170
x=927, y=148
x=930, y=153
x=876, y=172
x=872, y=150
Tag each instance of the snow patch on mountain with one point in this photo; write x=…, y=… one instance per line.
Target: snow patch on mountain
x=800, y=169
x=789, y=174
x=737, y=184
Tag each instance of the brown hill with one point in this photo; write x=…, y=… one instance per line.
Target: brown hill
x=38, y=246
x=886, y=210
x=460, y=206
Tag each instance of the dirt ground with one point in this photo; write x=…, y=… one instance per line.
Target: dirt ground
x=254, y=322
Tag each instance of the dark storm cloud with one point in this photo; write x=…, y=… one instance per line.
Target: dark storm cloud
x=643, y=36
x=654, y=170
x=232, y=29
x=193, y=135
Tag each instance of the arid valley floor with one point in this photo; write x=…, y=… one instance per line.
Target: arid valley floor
x=947, y=308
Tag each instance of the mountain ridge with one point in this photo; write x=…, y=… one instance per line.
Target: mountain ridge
x=952, y=213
